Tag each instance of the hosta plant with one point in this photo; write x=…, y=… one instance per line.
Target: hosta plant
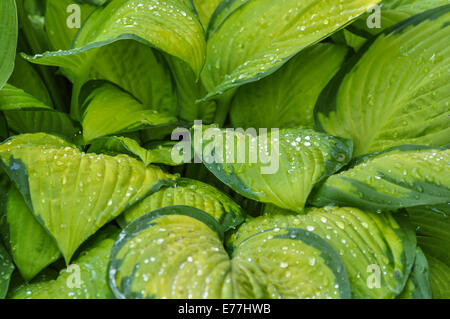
x=224, y=149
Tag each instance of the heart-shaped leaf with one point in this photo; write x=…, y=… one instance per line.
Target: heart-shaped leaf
x=71, y=193
x=296, y=159
x=177, y=252
x=395, y=91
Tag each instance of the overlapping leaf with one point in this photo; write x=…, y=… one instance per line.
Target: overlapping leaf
x=35, y=250
x=26, y=114
x=396, y=90
x=108, y=110
x=177, y=252
x=363, y=240
x=169, y=26
x=73, y=194
x=159, y=153
x=404, y=176
x=90, y=268
x=192, y=193
x=251, y=39
x=280, y=169
x=287, y=98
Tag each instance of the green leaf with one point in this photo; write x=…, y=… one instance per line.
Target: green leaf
x=71, y=193
x=90, y=265
x=160, y=153
x=363, y=240
x=392, y=12
x=169, y=26
x=175, y=255
x=297, y=160
x=290, y=94
x=32, y=22
x=432, y=225
x=31, y=247
x=401, y=177
x=8, y=39
x=188, y=192
x=6, y=269
x=60, y=34
x=176, y=252
x=189, y=92
x=108, y=110
x=395, y=91
x=26, y=114
x=205, y=9
x=418, y=285
x=432, y=221
x=440, y=278
x=27, y=78
x=249, y=40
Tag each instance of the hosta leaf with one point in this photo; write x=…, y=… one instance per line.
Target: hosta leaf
x=32, y=248
x=90, y=265
x=109, y=110
x=170, y=26
x=432, y=225
x=139, y=70
x=26, y=114
x=252, y=39
x=188, y=192
x=205, y=9
x=60, y=33
x=394, y=11
x=418, y=285
x=395, y=91
x=6, y=269
x=114, y=145
x=290, y=94
x=404, y=176
x=440, y=278
x=432, y=221
x=315, y=272
x=172, y=256
x=32, y=22
x=177, y=252
x=189, y=92
x=8, y=39
x=299, y=158
x=363, y=240
x=25, y=77
x=33, y=39
x=71, y=193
